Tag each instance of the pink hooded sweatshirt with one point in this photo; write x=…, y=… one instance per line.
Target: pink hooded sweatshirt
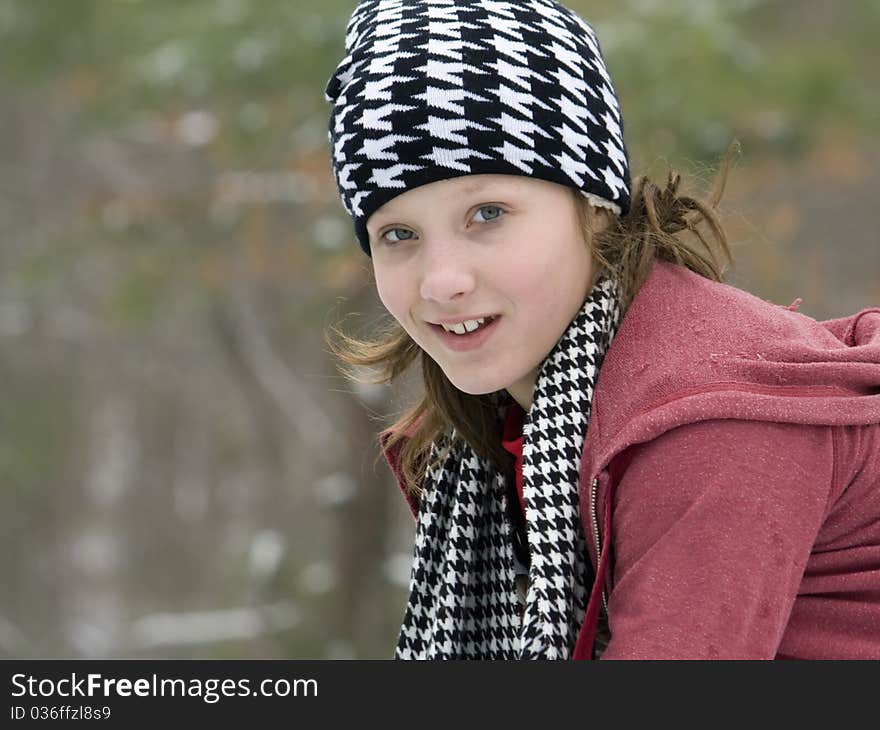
x=730, y=479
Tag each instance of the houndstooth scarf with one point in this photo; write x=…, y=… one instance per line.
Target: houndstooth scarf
x=463, y=600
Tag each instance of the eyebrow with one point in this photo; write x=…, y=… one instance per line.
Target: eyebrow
x=476, y=186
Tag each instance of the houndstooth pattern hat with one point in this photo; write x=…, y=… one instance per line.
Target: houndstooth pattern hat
x=435, y=89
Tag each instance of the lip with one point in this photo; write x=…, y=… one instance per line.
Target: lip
x=466, y=318
x=466, y=343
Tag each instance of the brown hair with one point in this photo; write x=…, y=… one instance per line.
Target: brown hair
x=661, y=224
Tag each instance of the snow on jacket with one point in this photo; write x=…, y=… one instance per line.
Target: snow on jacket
x=730, y=479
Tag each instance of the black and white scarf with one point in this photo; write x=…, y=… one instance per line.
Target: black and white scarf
x=463, y=599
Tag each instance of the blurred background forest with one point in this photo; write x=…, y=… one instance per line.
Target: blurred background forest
x=183, y=472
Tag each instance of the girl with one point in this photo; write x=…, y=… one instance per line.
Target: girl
x=616, y=454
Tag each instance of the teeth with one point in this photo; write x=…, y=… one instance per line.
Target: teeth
x=464, y=327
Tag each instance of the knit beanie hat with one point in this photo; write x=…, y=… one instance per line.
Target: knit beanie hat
x=435, y=89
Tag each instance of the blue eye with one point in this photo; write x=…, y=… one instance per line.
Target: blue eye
x=492, y=212
x=484, y=214
x=407, y=235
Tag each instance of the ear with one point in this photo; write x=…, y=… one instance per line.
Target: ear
x=598, y=219
x=593, y=219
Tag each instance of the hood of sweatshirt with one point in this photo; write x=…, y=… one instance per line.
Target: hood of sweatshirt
x=690, y=349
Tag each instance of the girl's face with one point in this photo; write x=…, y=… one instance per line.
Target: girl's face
x=503, y=246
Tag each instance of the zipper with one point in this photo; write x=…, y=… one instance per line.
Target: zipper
x=593, y=497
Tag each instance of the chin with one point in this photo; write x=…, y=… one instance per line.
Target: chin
x=476, y=386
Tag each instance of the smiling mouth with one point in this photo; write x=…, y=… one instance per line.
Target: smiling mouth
x=462, y=329
x=470, y=340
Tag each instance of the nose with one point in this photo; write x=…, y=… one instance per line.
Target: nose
x=447, y=273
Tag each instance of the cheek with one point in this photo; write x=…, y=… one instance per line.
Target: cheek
x=553, y=281
x=392, y=293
